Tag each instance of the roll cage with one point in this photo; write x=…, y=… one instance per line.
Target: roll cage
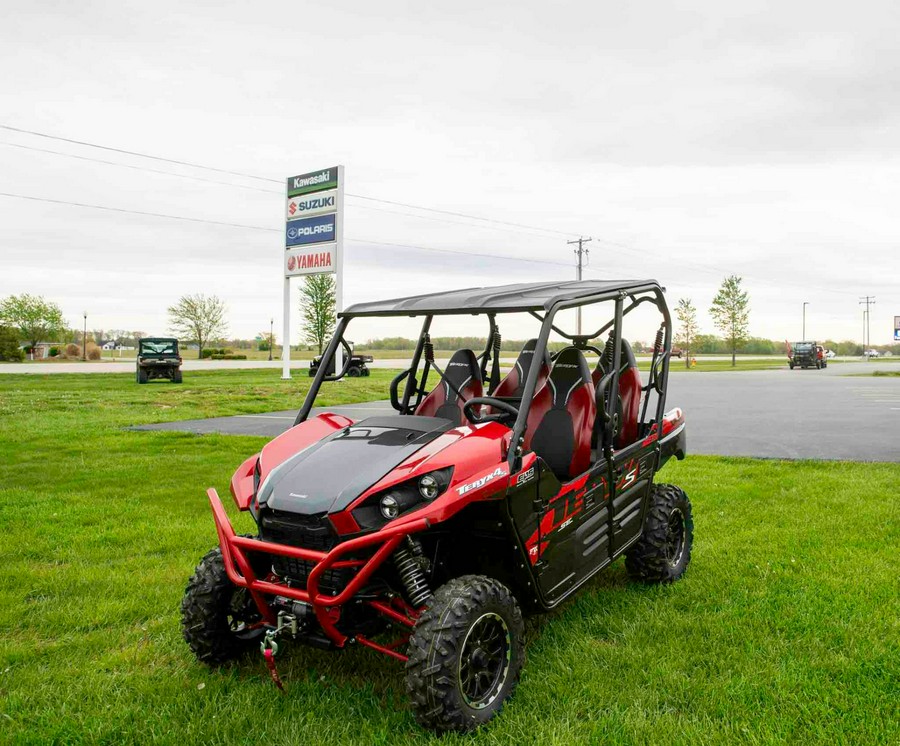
x=543, y=301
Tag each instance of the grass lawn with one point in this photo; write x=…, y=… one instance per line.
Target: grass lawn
x=785, y=629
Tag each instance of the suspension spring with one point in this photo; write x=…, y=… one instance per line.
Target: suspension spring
x=409, y=568
x=497, y=341
x=609, y=352
x=657, y=347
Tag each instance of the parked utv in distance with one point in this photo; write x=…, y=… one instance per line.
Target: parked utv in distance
x=158, y=357
x=357, y=367
x=807, y=355
x=483, y=497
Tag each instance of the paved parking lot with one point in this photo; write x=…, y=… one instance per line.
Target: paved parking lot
x=769, y=413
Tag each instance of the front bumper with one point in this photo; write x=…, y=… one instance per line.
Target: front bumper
x=240, y=572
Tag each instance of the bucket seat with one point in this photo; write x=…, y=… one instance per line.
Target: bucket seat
x=562, y=416
x=447, y=399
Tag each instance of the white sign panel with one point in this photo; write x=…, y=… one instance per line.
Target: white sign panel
x=310, y=260
x=310, y=205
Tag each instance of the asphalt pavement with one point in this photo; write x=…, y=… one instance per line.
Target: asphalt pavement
x=767, y=413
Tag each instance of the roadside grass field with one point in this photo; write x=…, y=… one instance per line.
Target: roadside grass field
x=786, y=628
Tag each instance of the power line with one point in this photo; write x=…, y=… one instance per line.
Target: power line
x=140, y=168
x=263, y=228
x=279, y=181
x=135, y=153
x=136, y=212
x=455, y=251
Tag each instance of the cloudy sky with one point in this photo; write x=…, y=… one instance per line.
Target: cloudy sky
x=690, y=142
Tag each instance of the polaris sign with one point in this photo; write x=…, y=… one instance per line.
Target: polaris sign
x=310, y=230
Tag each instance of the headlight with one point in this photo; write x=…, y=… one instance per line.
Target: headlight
x=429, y=487
x=390, y=508
x=402, y=498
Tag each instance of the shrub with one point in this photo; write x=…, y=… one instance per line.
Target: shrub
x=93, y=352
x=211, y=352
x=72, y=350
x=228, y=356
x=9, y=345
x=54, y=351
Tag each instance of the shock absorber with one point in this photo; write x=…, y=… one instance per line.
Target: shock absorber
x=408, y=561
x=658, y=345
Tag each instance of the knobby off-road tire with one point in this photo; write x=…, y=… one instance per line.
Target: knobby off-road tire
x=215, y=614
x=142, y=376
x=176, y=376
x=354, y=372
x=663, y=552
x=465, y=654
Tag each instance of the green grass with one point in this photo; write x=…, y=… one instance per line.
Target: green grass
x=886, y=373
x=785, y=629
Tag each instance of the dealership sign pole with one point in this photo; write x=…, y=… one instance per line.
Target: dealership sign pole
x=313, y=240
x=897, y=328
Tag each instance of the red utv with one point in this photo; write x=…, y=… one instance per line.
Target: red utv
x=425, y=534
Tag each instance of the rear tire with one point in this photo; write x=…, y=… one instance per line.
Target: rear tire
x=354, y=372
x=663, y=552
x=176, y=376
x=465, y=654
x=215, y=614
x=142, y=376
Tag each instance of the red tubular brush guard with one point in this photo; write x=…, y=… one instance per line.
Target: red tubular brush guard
x=241, y=573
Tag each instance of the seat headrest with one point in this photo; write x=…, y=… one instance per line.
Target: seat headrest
x=526, y=358
x=463, y=367
x=569, y=370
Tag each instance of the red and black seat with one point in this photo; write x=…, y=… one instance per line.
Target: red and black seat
x=630, y=390
x=562, y=415
x=447, y=399
x=514, y=383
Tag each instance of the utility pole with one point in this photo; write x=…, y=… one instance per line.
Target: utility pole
x=581, y=253
x=84, y=339
x=866, y=300
x=805, y=304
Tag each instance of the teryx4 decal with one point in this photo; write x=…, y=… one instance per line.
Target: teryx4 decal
x=478, y=483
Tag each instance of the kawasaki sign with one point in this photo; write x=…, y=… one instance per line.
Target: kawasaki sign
x=317, y=181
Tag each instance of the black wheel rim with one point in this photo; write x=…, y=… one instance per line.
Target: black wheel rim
x=675, y=538
x=242, y=617
x=484, y=661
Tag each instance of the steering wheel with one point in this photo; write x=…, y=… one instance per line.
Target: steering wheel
x=509, y=412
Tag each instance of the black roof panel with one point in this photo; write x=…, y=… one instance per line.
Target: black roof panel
x=530, y=296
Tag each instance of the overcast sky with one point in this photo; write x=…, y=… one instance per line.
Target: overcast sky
x=690, y=142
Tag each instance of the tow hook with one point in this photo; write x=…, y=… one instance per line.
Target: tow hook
x=269, y=645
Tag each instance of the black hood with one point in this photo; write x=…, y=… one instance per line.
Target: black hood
x=329, y=475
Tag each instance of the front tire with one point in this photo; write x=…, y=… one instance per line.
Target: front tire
x=217, y=617
x=663, y=552
x=465, y=654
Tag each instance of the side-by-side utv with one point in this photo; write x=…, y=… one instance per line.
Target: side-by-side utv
x=425, y=534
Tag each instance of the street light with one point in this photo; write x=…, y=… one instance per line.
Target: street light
x=271, y=323
x=805, y=304
x=84, y=339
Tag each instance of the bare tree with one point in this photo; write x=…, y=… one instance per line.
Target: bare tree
x=33, y=318
x=687, y=318
x=730, y=311
x=317, y=306
x=198, y=318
